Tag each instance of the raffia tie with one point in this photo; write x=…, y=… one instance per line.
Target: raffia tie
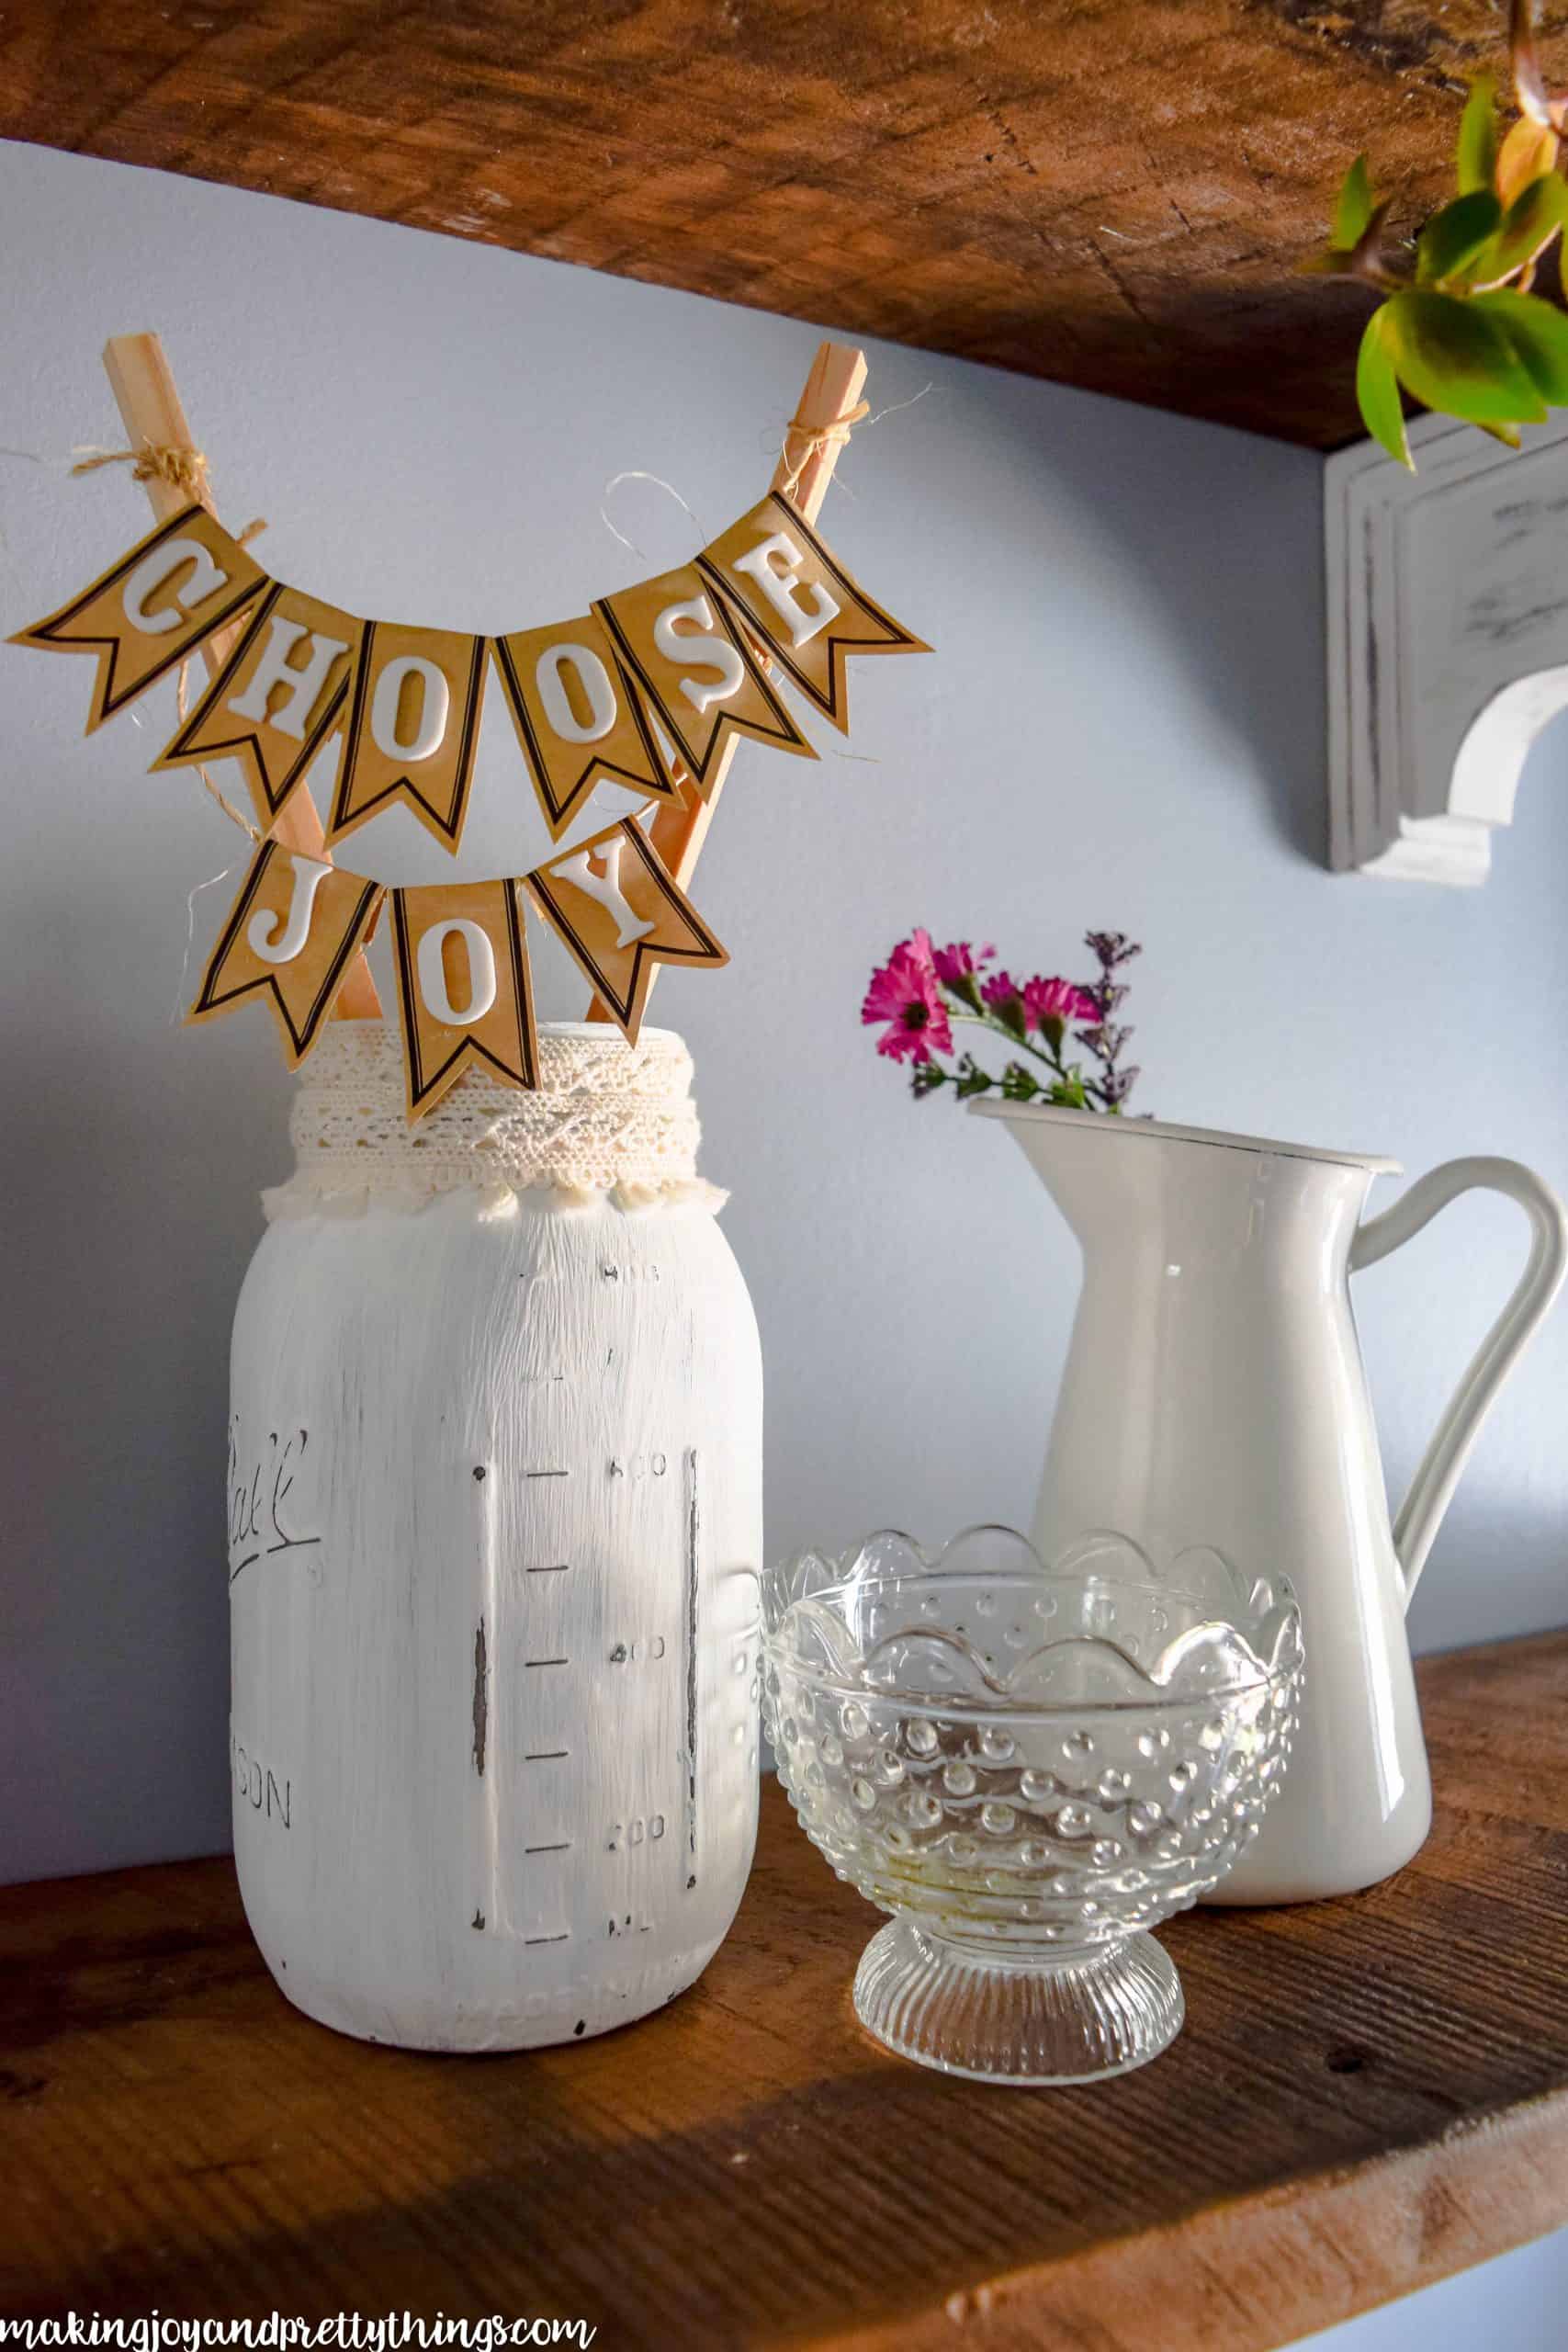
x=814, y=437
x=183, y=470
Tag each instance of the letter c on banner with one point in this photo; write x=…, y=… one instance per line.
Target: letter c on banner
x=597, y=692
x=705, y=647
x=278, y=943
x=433, y=972
x=434, y=705
x=155, y=570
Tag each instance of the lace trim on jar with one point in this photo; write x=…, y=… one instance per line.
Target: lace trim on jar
x=608, y=1123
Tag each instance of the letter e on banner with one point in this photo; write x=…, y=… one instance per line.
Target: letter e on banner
x=618, y=913
x=793, y=591
x=463, y=991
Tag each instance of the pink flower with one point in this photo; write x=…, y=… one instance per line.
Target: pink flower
x=1000, y=989
x=960, y=961
x=905, y=993
x=1057, y=1000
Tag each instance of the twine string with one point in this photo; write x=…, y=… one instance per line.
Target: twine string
x=814, y=438
x=636, y=473
x=183, y=470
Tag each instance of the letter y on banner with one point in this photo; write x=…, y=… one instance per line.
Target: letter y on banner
x=463, y=988
x=291, y=936
x=618, y=913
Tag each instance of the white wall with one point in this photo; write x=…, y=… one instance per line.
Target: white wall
x=1122, y=726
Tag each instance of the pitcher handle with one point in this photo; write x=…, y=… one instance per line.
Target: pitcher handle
x=1431, y=1489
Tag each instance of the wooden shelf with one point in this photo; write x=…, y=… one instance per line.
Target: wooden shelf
x=1113, y=199
x=1369, y=2095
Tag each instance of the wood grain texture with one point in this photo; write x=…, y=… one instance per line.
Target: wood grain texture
x=1369, y=2095
x=1111, y=197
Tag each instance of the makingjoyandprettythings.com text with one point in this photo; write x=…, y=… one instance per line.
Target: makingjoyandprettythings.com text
x=280, y=2332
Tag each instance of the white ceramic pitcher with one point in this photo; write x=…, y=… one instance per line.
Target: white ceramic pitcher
x=1214, y=1394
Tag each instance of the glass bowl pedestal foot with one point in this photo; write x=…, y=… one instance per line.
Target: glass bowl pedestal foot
x=1019, y=2017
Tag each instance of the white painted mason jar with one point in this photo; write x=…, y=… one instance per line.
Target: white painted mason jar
x=494, y=1530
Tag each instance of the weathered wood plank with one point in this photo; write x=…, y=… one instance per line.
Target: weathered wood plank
x=1368, y=2094
x=1113, y=199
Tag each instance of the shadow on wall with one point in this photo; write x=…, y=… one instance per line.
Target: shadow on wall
x=141, y=1211
x=1216, y=551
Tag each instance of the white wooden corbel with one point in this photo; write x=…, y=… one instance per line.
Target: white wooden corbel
x=1448, y=643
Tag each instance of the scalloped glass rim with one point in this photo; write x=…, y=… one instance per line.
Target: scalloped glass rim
x=1256, y=1629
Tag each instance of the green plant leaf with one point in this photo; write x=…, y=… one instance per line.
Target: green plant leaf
x=1477, y=153
x=1528, y=150
x=1451, y=236
x=1377, y=389
x=1538, y=332
x=1354, y=209
x=1537, y=215
x=1455, y=357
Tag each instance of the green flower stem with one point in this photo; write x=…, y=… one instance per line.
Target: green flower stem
x=1042, y=1053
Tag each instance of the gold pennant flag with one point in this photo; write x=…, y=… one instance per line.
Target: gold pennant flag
x=412, y=731
x=278, y=695
x=697, y=669
x=619, y=913
x=463, y=988
x=794, y=594
x=151, y=608
x=579, y=721
x=291, y=936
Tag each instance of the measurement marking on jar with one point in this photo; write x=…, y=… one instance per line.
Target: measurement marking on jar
x=547, y=1473
x=547, y=1661
x=564, y=1938
x=694, y=1534
x=547, y=1756
x=549, y=1568
x=562, y=1846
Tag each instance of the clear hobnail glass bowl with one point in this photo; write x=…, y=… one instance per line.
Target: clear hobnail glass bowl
x=1029, y=1768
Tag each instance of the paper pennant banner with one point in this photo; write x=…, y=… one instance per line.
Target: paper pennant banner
x=412, y=729
x=463, y=987
x=697, y=669
x=278, y=695
x=794, y=594
x=291, y=936
x=579, y=722
x=148, y=610
x=619, y=913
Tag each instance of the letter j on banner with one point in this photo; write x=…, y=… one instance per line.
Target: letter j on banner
x=463, y=991
x=289, y=938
